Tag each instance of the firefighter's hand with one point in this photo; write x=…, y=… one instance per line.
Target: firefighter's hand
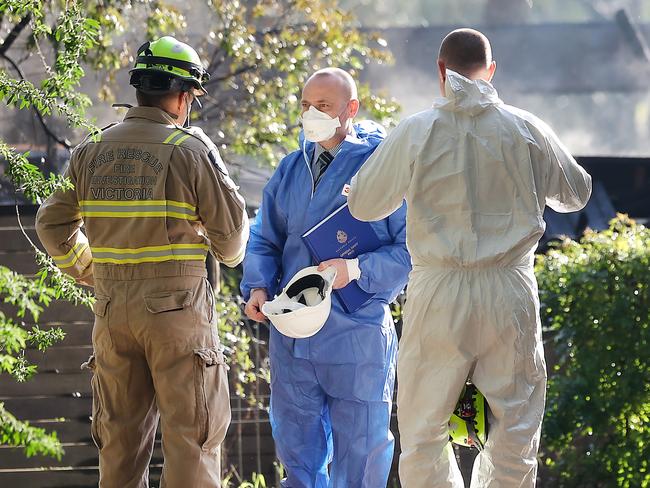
x=342, y=277
x=253, y=309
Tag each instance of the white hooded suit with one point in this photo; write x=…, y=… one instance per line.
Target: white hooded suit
x=476, y=175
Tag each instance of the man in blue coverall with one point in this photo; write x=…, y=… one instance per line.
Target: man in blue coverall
x=331, y=394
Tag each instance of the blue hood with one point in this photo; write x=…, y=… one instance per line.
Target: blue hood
x=370, y=132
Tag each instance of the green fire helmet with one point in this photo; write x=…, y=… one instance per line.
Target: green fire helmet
x=468, y=425
x=166, y=65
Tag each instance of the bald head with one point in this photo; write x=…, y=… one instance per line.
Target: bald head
x=334, y=92
x=337, y=79
x=466, y=51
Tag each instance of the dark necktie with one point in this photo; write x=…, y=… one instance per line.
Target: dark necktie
x=323, y=161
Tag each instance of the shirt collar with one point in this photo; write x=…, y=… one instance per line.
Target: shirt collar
x=334, y=151
x=350, y=137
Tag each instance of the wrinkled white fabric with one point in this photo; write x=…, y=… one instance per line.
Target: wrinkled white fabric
x=476, y=175
x=281, y=304
x=352, y=266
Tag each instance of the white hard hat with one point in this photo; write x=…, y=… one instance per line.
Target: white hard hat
x=304, y=305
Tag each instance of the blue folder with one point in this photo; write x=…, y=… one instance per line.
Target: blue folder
x=340, y=235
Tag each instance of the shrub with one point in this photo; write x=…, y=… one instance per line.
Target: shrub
x=595, y=305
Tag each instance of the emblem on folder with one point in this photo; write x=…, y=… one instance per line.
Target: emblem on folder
x=358, y=237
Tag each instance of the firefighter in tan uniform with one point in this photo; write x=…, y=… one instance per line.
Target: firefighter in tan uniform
x=154, y=198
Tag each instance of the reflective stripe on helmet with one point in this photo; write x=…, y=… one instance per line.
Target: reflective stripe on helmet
x=193, y=70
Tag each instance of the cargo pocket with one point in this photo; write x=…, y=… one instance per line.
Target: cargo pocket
x=101, y=331
x=100, y=307
x=168, y=301
x=173, y=314
x=212, y=398
x=95, y=430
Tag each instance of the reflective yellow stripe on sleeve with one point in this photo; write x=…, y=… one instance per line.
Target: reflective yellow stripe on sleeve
x=175, y=135
x=181, y=139
x=172, y=136
x=138, y=208
x=71, y=257
x=150, y=254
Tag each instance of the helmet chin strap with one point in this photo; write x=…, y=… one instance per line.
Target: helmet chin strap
x=174, y=116
x=189, y=110
x=187, y=118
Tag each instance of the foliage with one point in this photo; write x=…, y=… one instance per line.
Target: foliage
x=26, y=176
x=56, y=94
x=25, y=295
x=595, y=300
x=13, y=432
x=28, y=295
x=81, y=31
x=257, y=481
x=238, y=339
x=260, y=54
x=238, y=335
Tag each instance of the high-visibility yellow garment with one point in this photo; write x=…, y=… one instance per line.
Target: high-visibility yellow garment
x=146, y=191
x=154, y=198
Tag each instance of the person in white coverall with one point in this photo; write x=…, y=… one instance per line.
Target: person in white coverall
x=476, y=175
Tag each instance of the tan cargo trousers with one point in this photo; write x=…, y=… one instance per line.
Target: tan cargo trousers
x=156, y=355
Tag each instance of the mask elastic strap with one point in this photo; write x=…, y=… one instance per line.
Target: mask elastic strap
x=304, y=151
x=187, y=119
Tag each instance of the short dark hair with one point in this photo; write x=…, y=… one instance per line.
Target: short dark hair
x=466, y=51
x=152, y=89
x=146, y=99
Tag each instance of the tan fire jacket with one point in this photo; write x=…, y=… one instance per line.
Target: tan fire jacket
x=147, y=191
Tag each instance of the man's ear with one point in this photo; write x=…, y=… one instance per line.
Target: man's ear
x=491, y=70
x=179, y=100
x=442, y=75
x=353, y=106
x=442, y=71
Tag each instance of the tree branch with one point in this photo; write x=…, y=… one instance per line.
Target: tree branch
x=218, y=57
x=13, y=35
x=232, y=74
x=47, y=130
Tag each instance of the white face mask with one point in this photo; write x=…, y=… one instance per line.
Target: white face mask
x=318, y=126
